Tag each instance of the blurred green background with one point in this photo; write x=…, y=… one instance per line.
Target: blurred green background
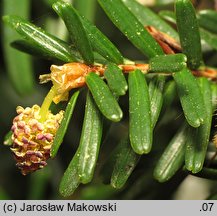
x=19, y=85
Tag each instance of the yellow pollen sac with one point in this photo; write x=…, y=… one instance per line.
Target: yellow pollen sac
x=32, y=138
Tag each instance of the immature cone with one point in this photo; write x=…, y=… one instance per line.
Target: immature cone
x=66, y=77
x=32, y=139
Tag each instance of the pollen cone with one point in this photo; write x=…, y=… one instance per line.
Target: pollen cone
x=32, y=139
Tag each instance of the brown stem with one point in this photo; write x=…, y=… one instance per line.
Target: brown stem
x=206, y=72
x=125, y=68
x=167, y=43
x=128, y=68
